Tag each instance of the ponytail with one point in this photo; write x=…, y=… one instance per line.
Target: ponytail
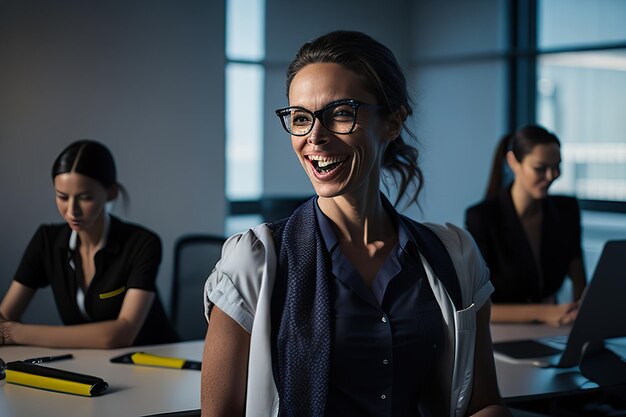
x=496, y=177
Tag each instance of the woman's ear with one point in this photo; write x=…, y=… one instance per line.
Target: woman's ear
x=512, y=161
x=112, y=192
x=395, y=124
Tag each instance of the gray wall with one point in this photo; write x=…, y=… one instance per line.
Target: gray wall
x=459, y=74
x=145, y=77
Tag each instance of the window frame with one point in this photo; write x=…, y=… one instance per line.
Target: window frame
x=523, y=41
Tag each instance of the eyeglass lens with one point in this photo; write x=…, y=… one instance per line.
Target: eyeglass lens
x=338, y=118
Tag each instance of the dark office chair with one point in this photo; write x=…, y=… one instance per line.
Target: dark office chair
x=270, y=208
x=273, y=207
x=194, y=259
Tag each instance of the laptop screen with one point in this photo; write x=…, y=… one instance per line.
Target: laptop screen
x=602, y=313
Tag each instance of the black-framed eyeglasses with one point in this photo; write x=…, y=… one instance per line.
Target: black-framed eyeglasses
x=338, y=117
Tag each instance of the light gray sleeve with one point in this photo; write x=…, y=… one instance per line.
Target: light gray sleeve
x=234, y=284
x=468, y=262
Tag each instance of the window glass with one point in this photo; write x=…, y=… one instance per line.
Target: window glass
x=581, y=96
x=244, y=126
x=245, y=51
x=245, y=30
x=563, y=23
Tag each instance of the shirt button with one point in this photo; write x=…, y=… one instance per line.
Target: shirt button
x=384, y=319
x=383, y=397
x=385, y=361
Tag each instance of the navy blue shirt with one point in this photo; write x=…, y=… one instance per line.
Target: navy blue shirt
x=387, y=339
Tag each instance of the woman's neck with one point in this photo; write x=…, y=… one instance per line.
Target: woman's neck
x=358, y=220
x=93, y=237
x=525, y=205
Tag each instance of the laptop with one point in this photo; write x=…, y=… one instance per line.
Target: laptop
x=601, y=316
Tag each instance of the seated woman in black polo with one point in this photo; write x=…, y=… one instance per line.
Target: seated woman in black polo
x=102, y=271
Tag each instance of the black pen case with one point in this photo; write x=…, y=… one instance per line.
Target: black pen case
x=43, y=377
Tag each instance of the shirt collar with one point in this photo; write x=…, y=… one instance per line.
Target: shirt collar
x=73, y=242
x=326, y=229
x=406, y=242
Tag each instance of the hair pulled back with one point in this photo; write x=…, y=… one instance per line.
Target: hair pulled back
x=89, y=158
x=521, y=143
x=373, y=61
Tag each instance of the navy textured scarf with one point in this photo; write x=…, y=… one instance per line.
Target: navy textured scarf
x=301, y=306
x=301, y=319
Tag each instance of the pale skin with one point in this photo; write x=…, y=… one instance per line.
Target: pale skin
x=349, y=196
x=81, y=201
x=533, y=176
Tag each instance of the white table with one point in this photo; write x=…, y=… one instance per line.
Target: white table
x=140, y=391
x=532, y=388
x=522, y=380
x=133, y=390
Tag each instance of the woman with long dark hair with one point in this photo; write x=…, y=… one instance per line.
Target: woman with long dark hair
x=530, y=240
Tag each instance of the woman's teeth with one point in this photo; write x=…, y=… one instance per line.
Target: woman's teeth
x=325, y=164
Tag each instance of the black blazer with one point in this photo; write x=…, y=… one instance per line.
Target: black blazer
x=497, y=229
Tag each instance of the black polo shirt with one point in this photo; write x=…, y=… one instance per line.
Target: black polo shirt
x=130, y=259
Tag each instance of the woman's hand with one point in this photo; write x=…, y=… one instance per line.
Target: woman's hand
x=5, y=331
x=560, y=314
x=552, y=314
x=571, y=314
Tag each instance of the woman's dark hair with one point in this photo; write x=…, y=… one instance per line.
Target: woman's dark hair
x=89, y=158
x=92, y=159
x=377, y=65
x=521, y=143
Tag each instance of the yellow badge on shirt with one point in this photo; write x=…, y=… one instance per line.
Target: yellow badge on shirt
x=112, y=294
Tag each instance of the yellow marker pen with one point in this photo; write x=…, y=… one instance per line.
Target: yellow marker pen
x=36, y=376
x=148, y=359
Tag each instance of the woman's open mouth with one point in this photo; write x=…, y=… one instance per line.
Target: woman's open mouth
x=325, y=165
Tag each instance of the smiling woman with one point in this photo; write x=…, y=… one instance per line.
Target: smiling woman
x=343, y=307
x=531, y=240
x=102, y=271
